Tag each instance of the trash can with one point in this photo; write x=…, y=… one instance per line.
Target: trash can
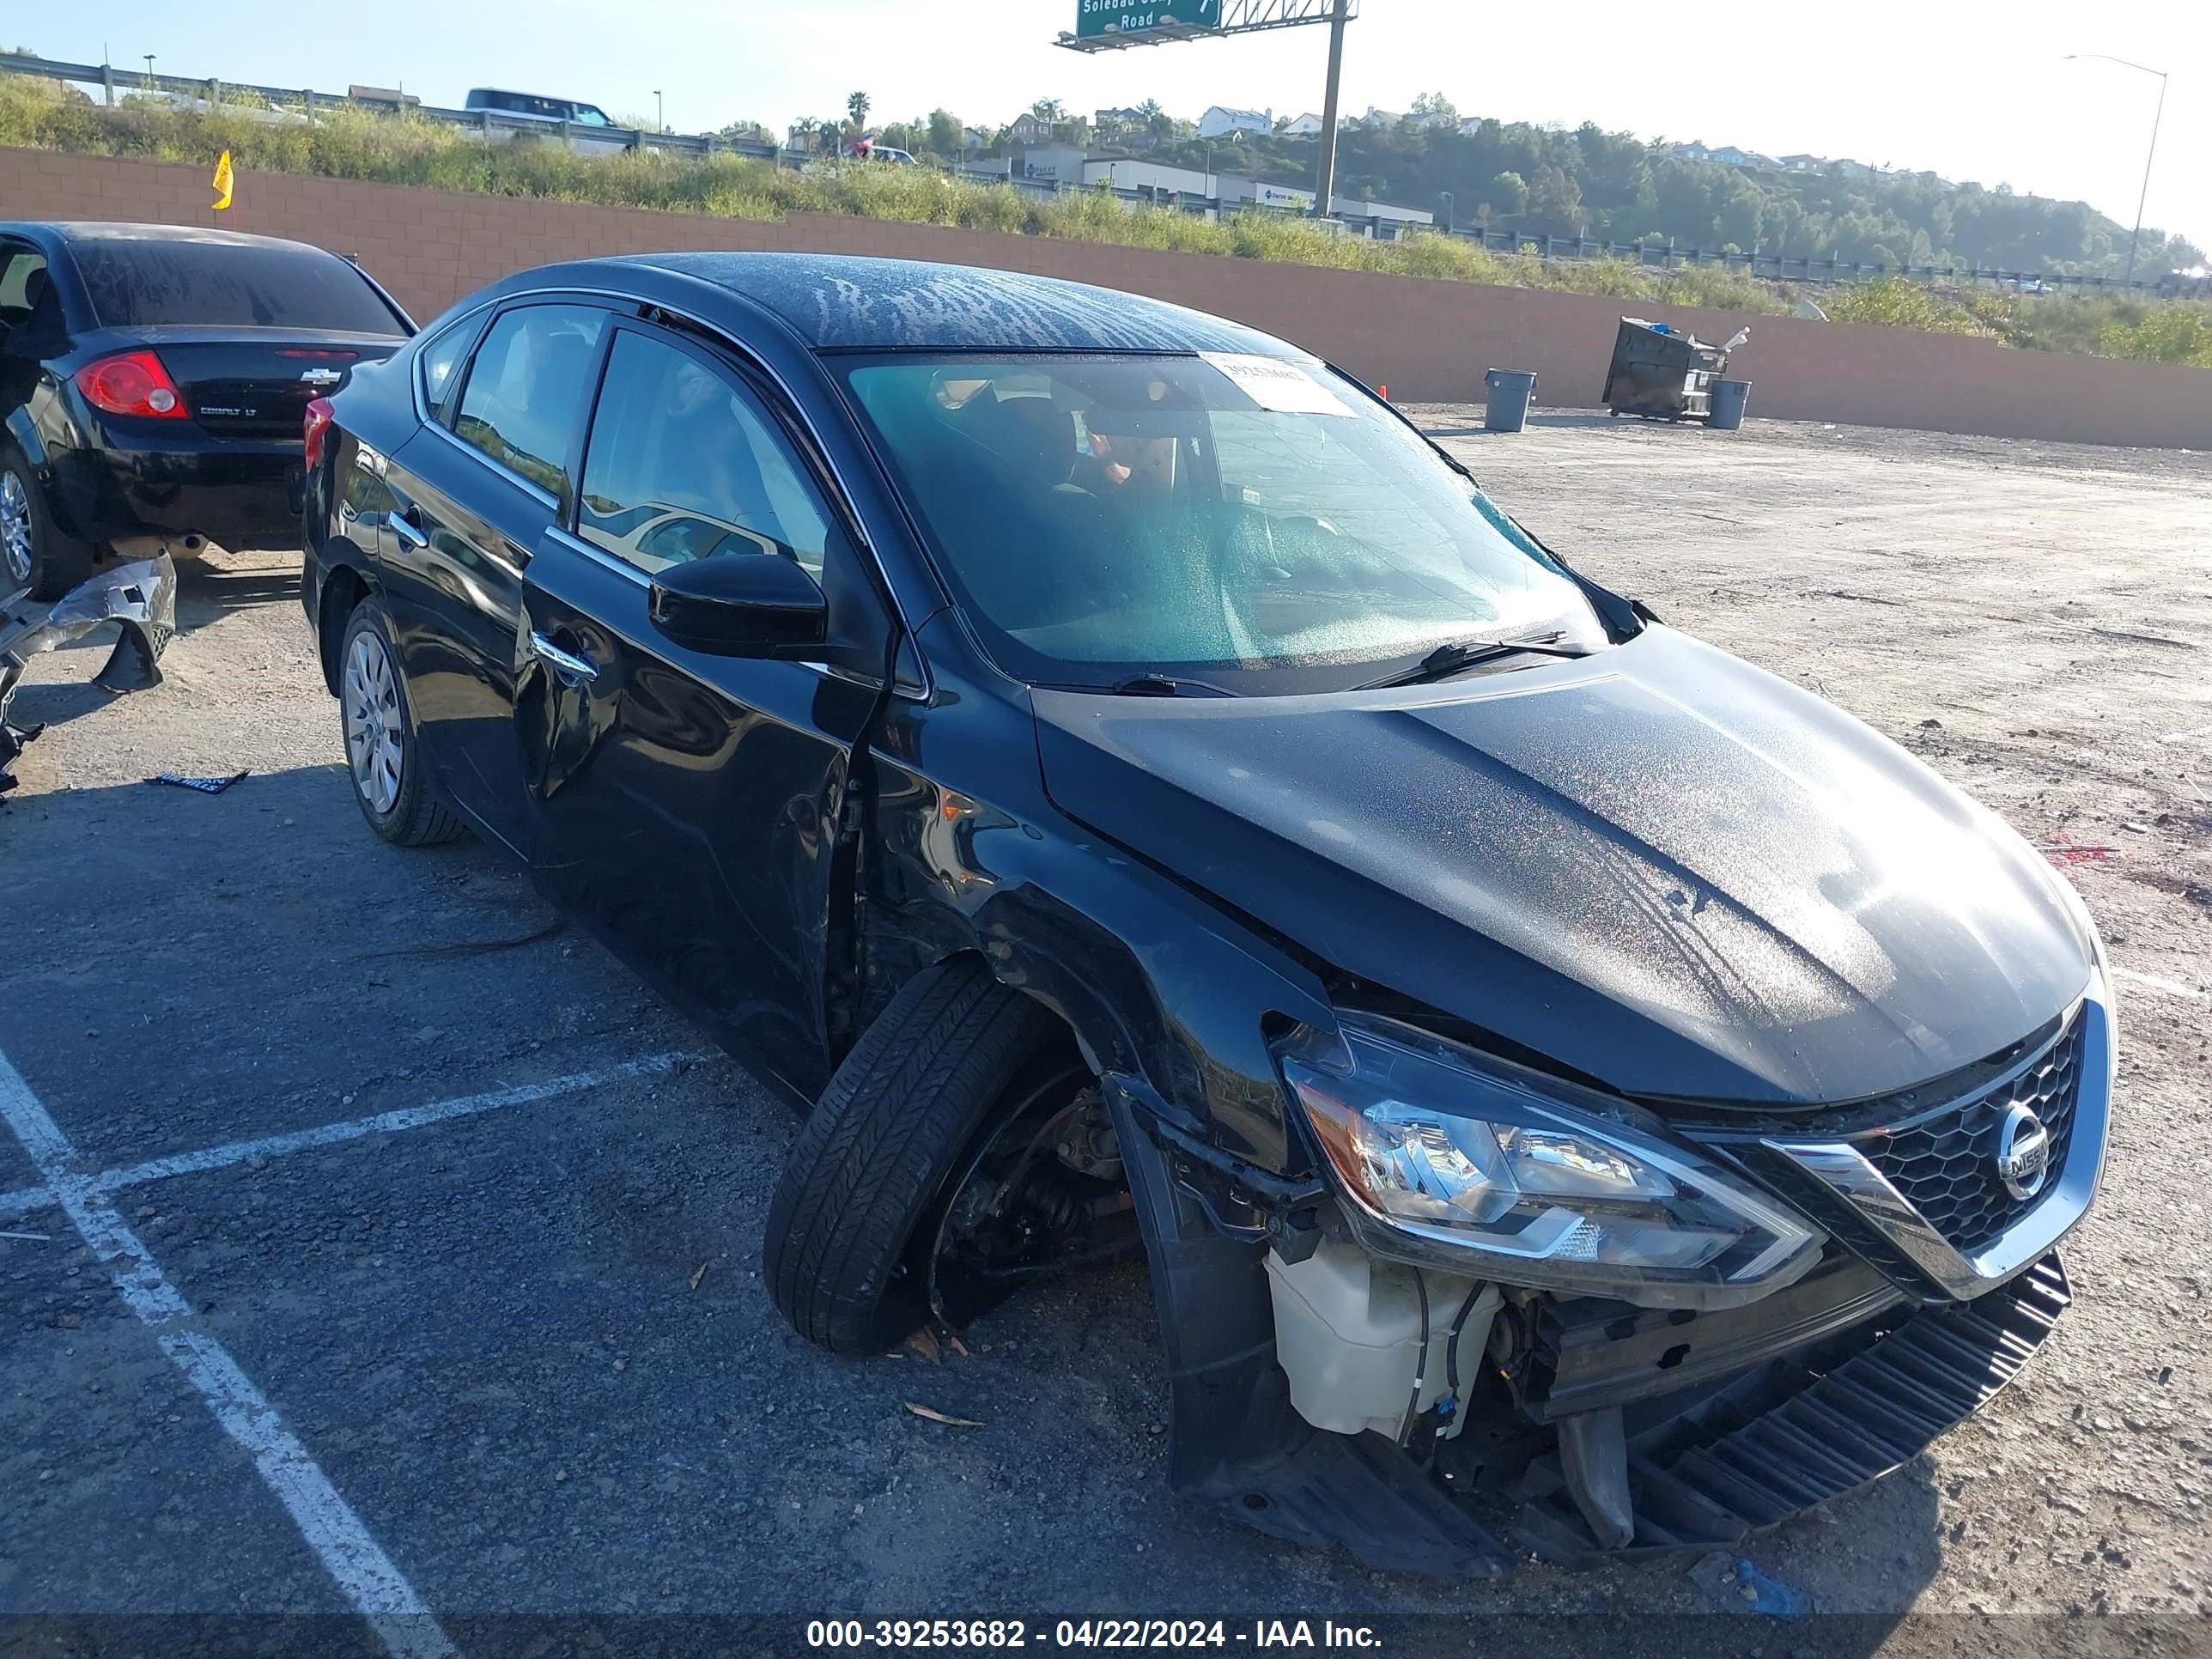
x=1729, y=398
x=1506, y=408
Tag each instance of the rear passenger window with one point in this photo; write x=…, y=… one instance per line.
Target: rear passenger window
x=684, y=464
x=438, y=361
x=525, y=390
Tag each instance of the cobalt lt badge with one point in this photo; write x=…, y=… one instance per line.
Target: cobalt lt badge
x=2023, y=1152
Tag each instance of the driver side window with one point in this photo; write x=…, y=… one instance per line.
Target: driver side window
x=683, y=463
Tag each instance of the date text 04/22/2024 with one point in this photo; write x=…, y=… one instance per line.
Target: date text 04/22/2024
x=1006, y=1634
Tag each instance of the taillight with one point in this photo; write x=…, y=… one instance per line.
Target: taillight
x=316, y=427
x=132, y=383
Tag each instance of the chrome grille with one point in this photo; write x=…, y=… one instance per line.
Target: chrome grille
x=1944, y=1165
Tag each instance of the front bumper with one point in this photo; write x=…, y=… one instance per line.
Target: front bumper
x=1803, y=1430
x=1619, y=1427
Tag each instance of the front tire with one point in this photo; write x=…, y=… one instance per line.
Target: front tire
x=33, y=553
x=894, y=1128
x=383, y=759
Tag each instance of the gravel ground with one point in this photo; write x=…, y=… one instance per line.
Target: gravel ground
x=527, y=1345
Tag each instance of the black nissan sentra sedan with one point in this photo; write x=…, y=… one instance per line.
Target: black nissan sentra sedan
x=1139, y=794
x=153, y=380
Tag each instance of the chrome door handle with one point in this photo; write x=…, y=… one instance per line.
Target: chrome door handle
x=403, y=526
x=568, y=667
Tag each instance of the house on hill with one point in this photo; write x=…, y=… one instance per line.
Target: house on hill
x=1221, y=123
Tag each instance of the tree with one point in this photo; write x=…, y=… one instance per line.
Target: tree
x=1555, y=203
x=856, y=109
x=1508, y=194
x=1050, y=111
x=946, y=135
x=1437, y=107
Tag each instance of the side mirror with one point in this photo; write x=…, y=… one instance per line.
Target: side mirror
x=742, y=605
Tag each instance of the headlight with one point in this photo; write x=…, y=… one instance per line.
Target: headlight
x=1448, y=1159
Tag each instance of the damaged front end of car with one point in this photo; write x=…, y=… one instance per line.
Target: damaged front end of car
x=140, y=596
x=1508, y=1311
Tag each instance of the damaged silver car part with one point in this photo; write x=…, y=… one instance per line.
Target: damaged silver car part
x=140, y=597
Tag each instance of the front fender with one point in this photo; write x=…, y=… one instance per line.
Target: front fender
x=1156, y=982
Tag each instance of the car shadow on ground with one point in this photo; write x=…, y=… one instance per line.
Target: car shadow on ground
x=208, y=588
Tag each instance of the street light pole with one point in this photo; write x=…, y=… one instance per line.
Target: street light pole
x=2158, y=115
x=1325, y=189
x=659, y=117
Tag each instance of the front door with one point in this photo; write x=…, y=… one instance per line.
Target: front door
x=687, y=805
x=474, y=493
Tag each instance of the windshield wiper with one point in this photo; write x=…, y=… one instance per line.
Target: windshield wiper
x=1451, y=657
x=1164, y=685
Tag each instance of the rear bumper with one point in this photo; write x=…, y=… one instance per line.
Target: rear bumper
x=243, y=494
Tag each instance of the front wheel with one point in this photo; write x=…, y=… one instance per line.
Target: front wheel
x=959, y=1151
x=383, y=758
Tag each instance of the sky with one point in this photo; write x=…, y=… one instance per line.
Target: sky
x=1981, y=93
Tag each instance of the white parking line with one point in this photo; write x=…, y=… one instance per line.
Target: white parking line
x=2172, y=987
x=363, y=1572
x=26, y=1200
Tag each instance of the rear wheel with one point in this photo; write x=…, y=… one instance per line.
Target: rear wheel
x=34, y=554
x=956, y=1153
x=382, y=758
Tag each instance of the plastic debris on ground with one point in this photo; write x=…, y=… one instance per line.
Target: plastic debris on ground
x=206, y=786
x=1743, y=1587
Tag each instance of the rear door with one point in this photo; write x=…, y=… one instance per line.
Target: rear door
x=688, y=806
x=473, y=496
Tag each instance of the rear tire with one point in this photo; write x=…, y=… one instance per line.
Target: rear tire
x=892, y=1130
x=33, y=553
x=383, y=760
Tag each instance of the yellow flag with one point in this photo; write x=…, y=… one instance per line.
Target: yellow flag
x=222, y=181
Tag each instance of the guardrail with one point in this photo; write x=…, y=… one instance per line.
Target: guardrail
x=114, y=82
x=1765, y=266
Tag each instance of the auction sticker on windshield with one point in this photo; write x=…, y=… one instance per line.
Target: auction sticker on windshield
x=1285, y=388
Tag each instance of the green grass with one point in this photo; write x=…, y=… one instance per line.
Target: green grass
x=402, y=150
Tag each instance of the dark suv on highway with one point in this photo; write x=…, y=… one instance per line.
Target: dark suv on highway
x=1136, y=793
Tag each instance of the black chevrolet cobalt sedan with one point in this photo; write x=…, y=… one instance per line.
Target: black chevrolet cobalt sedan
x=151, y=382
x=1574, y=1090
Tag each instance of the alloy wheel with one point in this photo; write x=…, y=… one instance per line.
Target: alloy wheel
x=15, y=527
x=373, y=719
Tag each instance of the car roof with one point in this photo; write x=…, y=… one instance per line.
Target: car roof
x=93, y=230
x=851, y=302
x=516, y=92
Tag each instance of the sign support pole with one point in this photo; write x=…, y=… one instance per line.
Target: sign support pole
x=1325, y=192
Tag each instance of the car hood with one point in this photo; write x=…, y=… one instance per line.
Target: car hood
x=1660, y=866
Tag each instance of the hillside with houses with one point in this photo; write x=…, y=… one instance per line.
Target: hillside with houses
x=1432, y=163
